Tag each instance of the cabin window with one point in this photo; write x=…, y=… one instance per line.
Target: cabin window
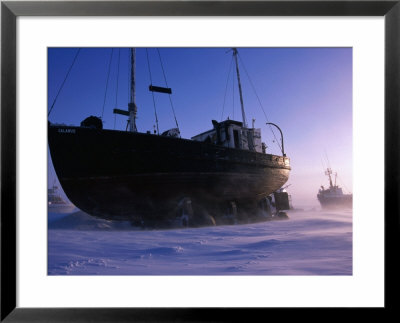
x=236, y=138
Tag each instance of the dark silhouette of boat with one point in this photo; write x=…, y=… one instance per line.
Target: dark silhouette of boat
x=333, y=197
x=56, y=203
x=146, y=178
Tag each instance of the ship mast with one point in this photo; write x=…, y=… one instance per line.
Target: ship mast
x=235, y=53
x=132, y=109
x=329, y=172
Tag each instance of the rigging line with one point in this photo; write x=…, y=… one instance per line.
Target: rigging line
x=116, y=90
x=327, y=159
x=128, y=78
x=169, y=95
x=127, y=124
x=259, y=101
x=152, y=93
x=233, y=95
x=108, y=77
x=226, y=88
x=323, y=165
x=340, y=179
x=62, y=85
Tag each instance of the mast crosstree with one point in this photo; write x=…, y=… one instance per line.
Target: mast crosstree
x=132, y=107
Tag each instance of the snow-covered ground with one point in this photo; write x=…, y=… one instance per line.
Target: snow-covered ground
x=311, y=242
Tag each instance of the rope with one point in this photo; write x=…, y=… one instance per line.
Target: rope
x=116, y=91
x=327, y=159
x=108, y=77
x=226, y=88
x=151, y=83
x=166, y=84
x=259, y=101
x=343, y=184
x=62, y=85
x=128, y=79
x=233, y=95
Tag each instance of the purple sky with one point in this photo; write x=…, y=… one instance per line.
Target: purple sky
x=306, y=91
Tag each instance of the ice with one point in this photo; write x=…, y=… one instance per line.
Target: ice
x=311, y=242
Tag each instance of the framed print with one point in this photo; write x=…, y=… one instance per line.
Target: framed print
x=344, y=81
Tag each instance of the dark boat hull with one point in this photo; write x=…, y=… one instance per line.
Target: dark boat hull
x=339, y=202
x=136, y=176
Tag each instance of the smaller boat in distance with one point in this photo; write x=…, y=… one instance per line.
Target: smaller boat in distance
x=56, y=204
x=333, y=197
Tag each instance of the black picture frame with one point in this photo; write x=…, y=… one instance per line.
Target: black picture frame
x=10, y=10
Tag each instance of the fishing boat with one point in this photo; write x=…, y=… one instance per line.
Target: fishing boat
x=147, y=177
x=56, y=204
x=333, y=197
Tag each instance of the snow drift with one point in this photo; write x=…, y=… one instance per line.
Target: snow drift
x=311, y=242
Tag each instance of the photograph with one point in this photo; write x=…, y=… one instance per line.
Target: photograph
x=201, y=161
x=191, y=160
